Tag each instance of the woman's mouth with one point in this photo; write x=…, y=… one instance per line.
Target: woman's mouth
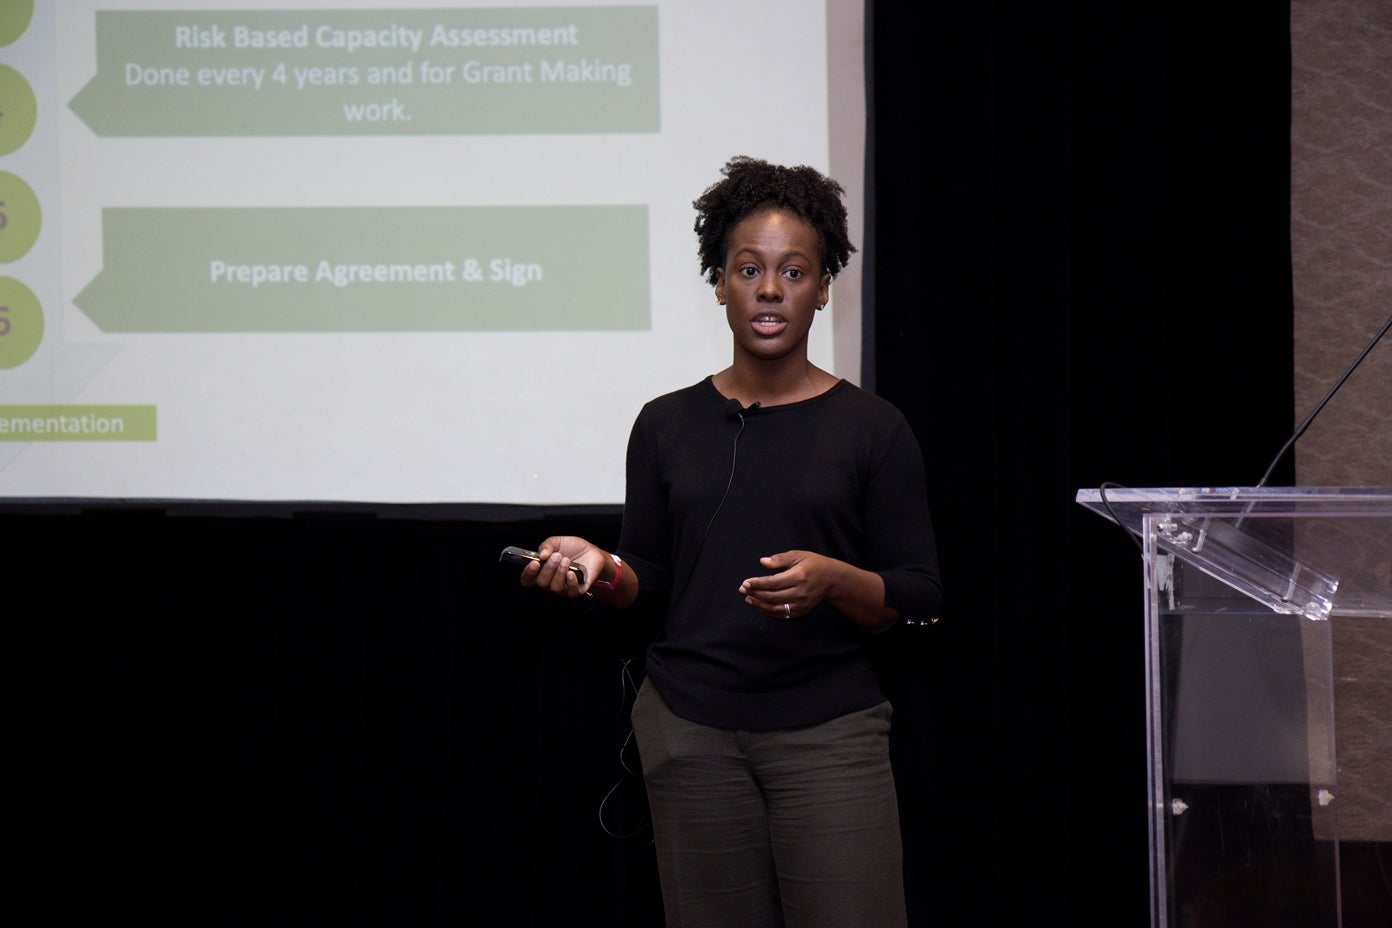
x=769, y=324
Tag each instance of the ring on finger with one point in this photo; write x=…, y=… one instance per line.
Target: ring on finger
x=787, y=611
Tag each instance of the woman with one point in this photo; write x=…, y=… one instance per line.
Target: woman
x=779, y=514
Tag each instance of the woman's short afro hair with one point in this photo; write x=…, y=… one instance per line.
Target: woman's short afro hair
x=751, y=185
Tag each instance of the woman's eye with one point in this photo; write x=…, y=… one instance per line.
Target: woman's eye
x=794, y=273
x=748, y=271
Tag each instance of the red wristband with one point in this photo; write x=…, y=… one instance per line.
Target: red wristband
x=618, y=572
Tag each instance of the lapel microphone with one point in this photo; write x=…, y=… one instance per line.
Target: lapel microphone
x=736, y=412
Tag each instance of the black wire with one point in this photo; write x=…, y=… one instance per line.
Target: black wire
x=1327, y=397
x=734, y=455
x=626, y=680
x=628, y=774
x=1111, y=512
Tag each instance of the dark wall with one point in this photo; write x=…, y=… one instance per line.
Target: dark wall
x=347, y=716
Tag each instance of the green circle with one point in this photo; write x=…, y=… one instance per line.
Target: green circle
x=17, y=109
x=21, y=323
x=14, y=19
x=19, y=217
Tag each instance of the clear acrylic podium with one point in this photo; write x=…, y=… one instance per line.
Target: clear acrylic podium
x=1268, y=673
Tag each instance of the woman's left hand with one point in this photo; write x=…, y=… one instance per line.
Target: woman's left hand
x=800, y=581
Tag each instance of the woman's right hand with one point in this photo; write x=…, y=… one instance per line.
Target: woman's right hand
x=553, y=574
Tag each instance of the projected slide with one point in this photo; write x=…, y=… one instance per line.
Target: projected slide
x=358, y=252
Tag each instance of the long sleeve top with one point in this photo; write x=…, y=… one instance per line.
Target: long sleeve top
x=710, y=492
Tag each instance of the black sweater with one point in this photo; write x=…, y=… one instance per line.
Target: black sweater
x=841, y=475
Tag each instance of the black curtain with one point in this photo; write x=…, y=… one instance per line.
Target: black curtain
x=1082, y=257
x=347, y=715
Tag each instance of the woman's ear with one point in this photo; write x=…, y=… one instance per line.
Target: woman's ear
x=720, y=285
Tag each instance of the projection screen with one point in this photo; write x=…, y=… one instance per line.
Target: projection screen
x=379, y=252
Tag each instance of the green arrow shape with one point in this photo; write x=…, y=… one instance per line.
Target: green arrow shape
x=373, y=72
x=366, y=269
x=76, y=422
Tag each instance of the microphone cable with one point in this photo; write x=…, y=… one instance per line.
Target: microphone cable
x=733, y=410
x=626, y=682
x=1107, y=504
x=1322, y=403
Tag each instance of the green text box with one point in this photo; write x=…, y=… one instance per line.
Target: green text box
x=374, y=72
x=364, y=269
x=56, y=422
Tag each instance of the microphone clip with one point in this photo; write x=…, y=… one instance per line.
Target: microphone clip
x=736, y=412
